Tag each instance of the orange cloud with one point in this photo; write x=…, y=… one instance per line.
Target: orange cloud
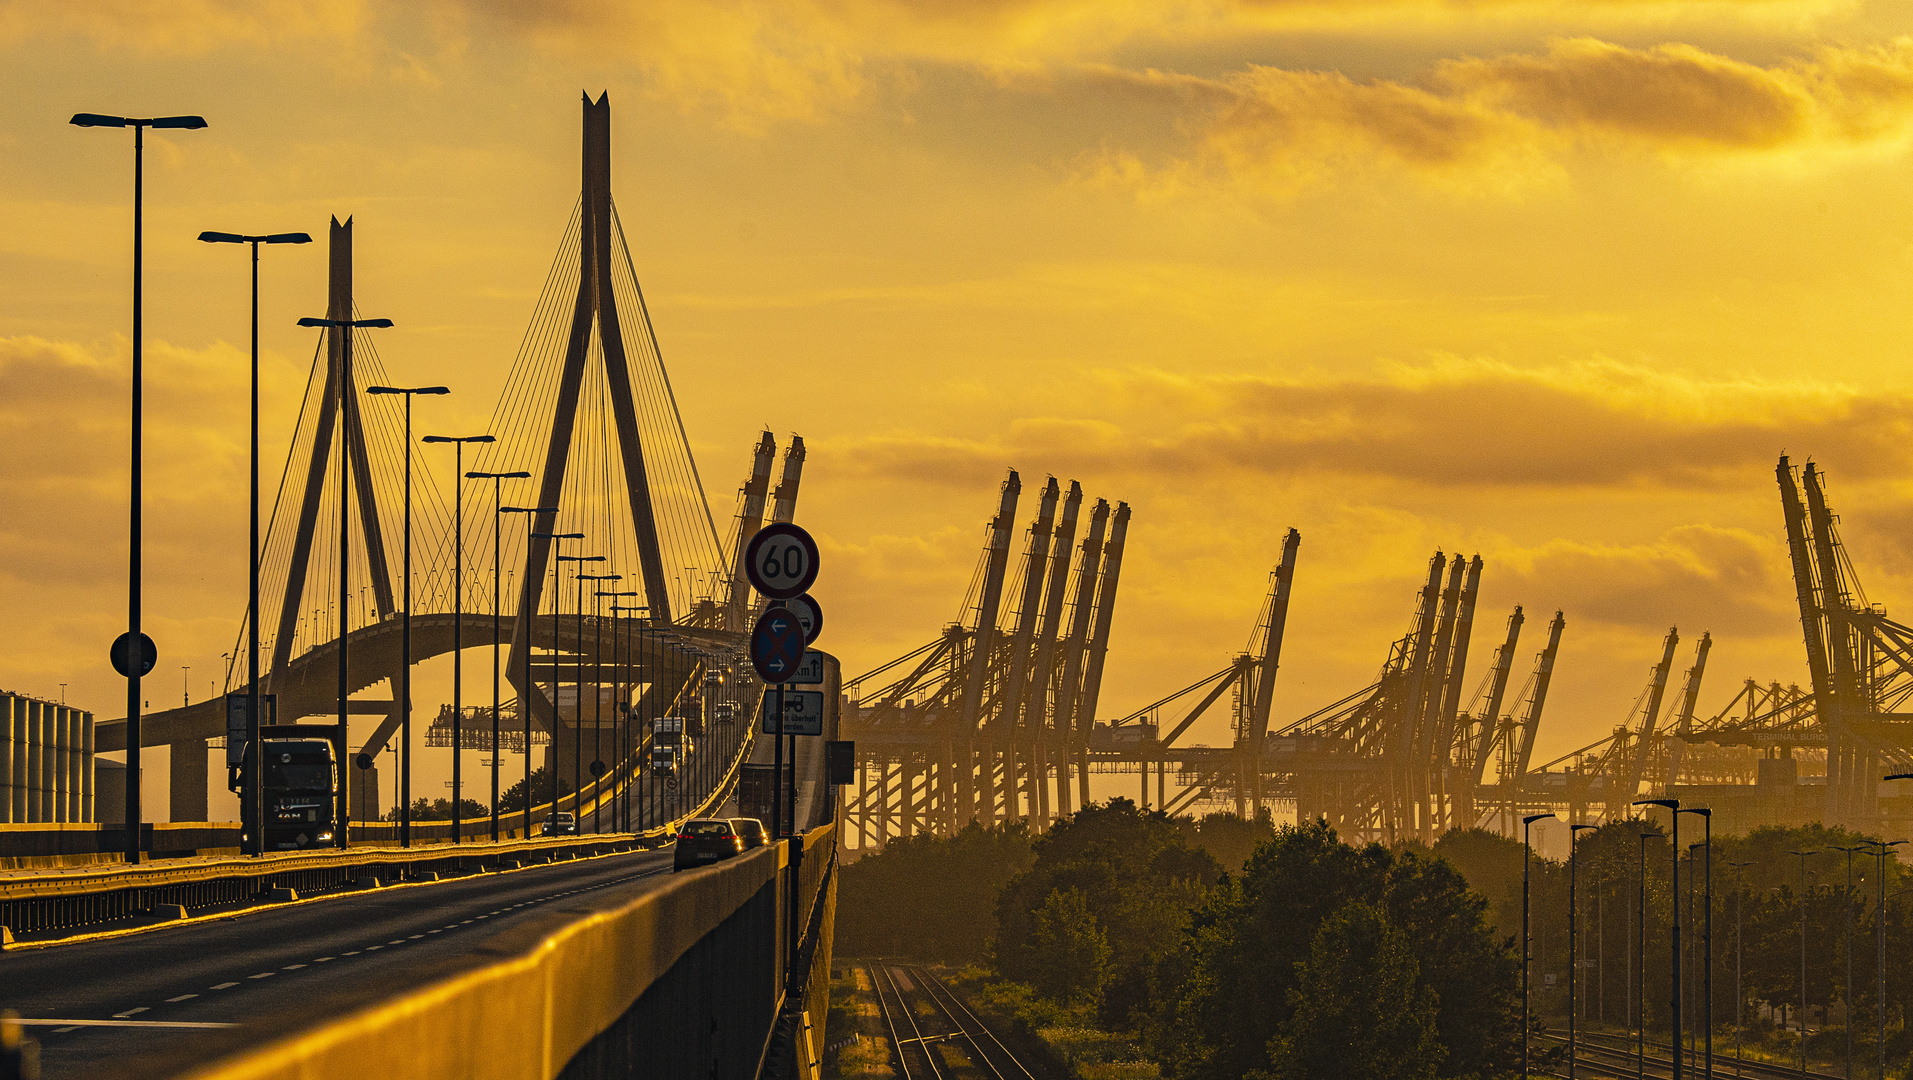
x=1450, y=424
x=1499, y=121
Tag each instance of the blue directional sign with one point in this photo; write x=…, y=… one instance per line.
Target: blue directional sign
x=777, y=645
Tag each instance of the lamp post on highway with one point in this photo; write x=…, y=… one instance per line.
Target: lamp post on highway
x=1527, y=950
x=405, y=647
x=1574, y=956
x=557, y=542
x=1707, y=933
x=621, y=695
x=1803, y=956
x=632, y=741
x=498, y=582
x=578, y=697
x=597, y=698
x=458, y=611
x=252, y=785
x=135, y=650
x=346, y=415
x=1674, y=824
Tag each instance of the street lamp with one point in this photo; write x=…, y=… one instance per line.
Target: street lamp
x=577, y=742
x=1740, y=901
x=135, y=644
x=1707, y=932
x=1527, y=951
x=1640, y=965
x=557, y=609
x=252, y=784
x=597, y=696
x=630, y=751
x=1803, y=956
x=498, y=511
x=1574, y=957
x=524, y=698
x=346, y=413
x=405, y=647
x=1674, y=820
x=1847, y=995
x=1879, y=933
x=458, y=606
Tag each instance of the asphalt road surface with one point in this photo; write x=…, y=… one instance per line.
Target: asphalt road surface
x=158, y=1003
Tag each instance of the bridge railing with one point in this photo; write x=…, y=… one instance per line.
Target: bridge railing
x=688, y=979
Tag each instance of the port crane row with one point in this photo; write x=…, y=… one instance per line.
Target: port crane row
x=995, y=719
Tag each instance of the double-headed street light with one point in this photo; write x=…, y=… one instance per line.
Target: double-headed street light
x=252, y=785
x=630, y=742
x=1527, y=951
x=557, y=609
x=458, y=608
x=498, y=581
x=1707, y=931
x=1674, y=838
x=405, y=661
x=135, y=645
x=346, y=416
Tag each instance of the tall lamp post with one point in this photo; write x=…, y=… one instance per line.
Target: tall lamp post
x=1674, y=822
x=1707, y=933
x=1803, y=956
x=346, y=413
x=1527, y=950
x=1574, y=956
x=524, y=698
x=557, y=609
x=621, y=695
x=252, y=784
x=458, y=616
x=405, y=637
x=1879, y=933
x=135, y=646
x=498, y=584
x=1640, y=965
x=1740, y=901
x=632, y=742
x=1847, y=996
x=577, y=742
x=597, y=698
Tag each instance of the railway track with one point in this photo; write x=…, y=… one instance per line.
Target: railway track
x=1600, y=1055
x=933, y=1034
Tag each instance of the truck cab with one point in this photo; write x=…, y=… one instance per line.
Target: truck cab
x=301, y=790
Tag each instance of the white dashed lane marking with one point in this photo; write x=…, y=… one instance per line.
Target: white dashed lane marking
x=180, y=998
x=225, y=986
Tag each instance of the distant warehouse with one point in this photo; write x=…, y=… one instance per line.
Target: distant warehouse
x=46, y=761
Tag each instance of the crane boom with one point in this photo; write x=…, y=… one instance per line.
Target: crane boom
x=996, y=560
x=1543, y=675
x=751, y=520
x=1490, y=720
x=1272, y=633
x=1630, y=786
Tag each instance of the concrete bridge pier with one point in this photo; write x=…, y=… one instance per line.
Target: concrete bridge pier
x=188, y=775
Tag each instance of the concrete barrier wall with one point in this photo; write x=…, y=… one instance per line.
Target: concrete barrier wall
x=691, y=964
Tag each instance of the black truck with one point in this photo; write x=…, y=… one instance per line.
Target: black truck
x=302, y=787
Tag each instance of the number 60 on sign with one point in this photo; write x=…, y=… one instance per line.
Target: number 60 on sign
x=781, y=561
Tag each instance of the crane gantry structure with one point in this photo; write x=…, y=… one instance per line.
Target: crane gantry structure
x=974, y=725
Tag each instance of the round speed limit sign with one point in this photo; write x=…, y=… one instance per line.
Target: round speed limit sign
x=781, y=561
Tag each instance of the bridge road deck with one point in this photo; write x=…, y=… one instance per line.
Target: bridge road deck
x=282, y=970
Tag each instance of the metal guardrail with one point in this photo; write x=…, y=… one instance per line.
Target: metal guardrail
x=94, y=895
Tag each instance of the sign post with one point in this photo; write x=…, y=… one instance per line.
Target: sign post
x=781, y=562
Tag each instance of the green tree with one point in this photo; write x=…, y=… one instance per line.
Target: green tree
x=441, y=810
x=930, y=897
x=1228, y=992
x=512, y=800
x=1070, y=951
x=1361, y=1008
x=1141, y=879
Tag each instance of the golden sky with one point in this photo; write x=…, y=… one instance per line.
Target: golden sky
x=1551, y=282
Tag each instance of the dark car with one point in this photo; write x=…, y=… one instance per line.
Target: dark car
x=563, y=824
x=751, y=831
x=705, y=840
